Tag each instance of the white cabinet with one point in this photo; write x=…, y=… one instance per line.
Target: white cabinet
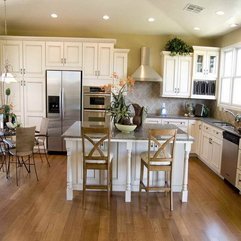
x=176, y=75
x=67, y=54
x=28, y=94
x=205, y=72
x=205, y=63
x=97, y=60
x=120, y=62
x=211, y=147
x=26, y=57
x=238, y=176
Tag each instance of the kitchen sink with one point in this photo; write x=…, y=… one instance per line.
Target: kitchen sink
x=221, y=123
x=227, y=127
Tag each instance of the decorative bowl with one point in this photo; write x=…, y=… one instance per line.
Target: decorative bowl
x=125, y=128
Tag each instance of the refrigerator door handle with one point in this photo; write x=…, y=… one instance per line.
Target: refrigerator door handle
x=62, y=106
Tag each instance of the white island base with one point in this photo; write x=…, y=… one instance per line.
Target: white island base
x=126, y=165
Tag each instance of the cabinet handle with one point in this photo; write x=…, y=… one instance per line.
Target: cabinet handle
x=64, y=60
x=210, y=141
x=23, y=71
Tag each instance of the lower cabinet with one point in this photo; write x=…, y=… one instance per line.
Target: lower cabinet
x=238, y=176
x=211, y=147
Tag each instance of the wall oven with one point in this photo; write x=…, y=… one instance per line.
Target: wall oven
x=96, y=102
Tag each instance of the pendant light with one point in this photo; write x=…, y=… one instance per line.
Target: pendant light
x=7, y=76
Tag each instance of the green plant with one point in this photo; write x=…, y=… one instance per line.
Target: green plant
x=119, y=110
x=177, y=46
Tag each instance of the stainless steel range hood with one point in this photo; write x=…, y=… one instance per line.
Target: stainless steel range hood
x=145, y=72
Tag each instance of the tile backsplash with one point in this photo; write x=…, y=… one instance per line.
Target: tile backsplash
x=148, y=94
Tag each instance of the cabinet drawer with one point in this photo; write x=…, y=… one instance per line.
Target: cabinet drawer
x=179, y=123
x=238, y=179
x=153, y=120
x=217, y=133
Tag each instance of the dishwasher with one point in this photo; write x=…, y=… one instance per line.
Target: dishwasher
x=230, y=156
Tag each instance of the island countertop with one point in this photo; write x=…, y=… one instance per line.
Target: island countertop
x=139, y=134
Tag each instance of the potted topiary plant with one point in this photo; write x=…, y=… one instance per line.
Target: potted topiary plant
x=178, y=47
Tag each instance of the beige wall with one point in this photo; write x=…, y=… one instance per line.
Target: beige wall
x=229, y=39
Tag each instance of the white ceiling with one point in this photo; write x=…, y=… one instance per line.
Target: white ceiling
x=126, y=16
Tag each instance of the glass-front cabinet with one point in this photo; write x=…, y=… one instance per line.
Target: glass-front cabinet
x=206, y=63
x=205, y=72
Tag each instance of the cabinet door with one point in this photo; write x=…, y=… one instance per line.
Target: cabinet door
x=170, y=75
x=105, y=60
x=90, y=60
x=33, y=59
x=212, y=65
x=216, y=155
x=184, y=76
x=205, y=147
x=34, y=101
x=73, y=54
x=16, y=99
x=54, y=54
x=12, y=54
x=199, y=64
x=120, y=64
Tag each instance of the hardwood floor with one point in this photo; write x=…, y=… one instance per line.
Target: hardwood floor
x=38, y=210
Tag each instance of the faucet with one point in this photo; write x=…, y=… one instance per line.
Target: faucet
x=237, y=117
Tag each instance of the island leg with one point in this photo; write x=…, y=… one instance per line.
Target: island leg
x=128, y=172
x=185, y=174
x=69, y=188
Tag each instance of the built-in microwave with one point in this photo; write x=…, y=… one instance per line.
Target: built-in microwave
x=96, y=98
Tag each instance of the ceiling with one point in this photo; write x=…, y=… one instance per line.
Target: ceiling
x=126, y=17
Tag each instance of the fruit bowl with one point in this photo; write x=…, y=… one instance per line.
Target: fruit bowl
x=125, y=128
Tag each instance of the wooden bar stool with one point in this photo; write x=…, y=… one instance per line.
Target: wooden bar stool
x=94, y=158
x=159, y=157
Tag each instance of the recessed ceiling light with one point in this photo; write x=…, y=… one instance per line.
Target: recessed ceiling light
x=54, y=15
x=220, y=13
x=151, y=19
x=233, y=25
x=106, y=17
x=196, y=28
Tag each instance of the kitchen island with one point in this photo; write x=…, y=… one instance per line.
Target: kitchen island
x=126, y=148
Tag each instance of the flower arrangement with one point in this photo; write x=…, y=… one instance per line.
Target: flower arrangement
x=119, y=110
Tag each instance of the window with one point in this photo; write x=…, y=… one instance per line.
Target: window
x=230, y=78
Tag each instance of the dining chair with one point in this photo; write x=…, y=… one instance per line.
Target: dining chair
x=159, y=157
x=3, y=162
x=40, y=139
x=23, y=154
x=95, y=158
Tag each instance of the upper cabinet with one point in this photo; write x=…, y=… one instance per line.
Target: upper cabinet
x=205, y=72
x=27, y=58
x=120, y=62
x=176, y=75
x=97, y=60
x=64, y=54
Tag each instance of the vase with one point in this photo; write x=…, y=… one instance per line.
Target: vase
x=137, y=119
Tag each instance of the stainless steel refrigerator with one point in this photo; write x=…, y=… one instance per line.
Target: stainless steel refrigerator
x=64, y=104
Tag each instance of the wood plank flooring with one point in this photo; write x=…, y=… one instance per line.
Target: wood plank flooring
x=38, y=210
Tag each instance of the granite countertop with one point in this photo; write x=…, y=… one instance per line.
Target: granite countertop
x=139, y=134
